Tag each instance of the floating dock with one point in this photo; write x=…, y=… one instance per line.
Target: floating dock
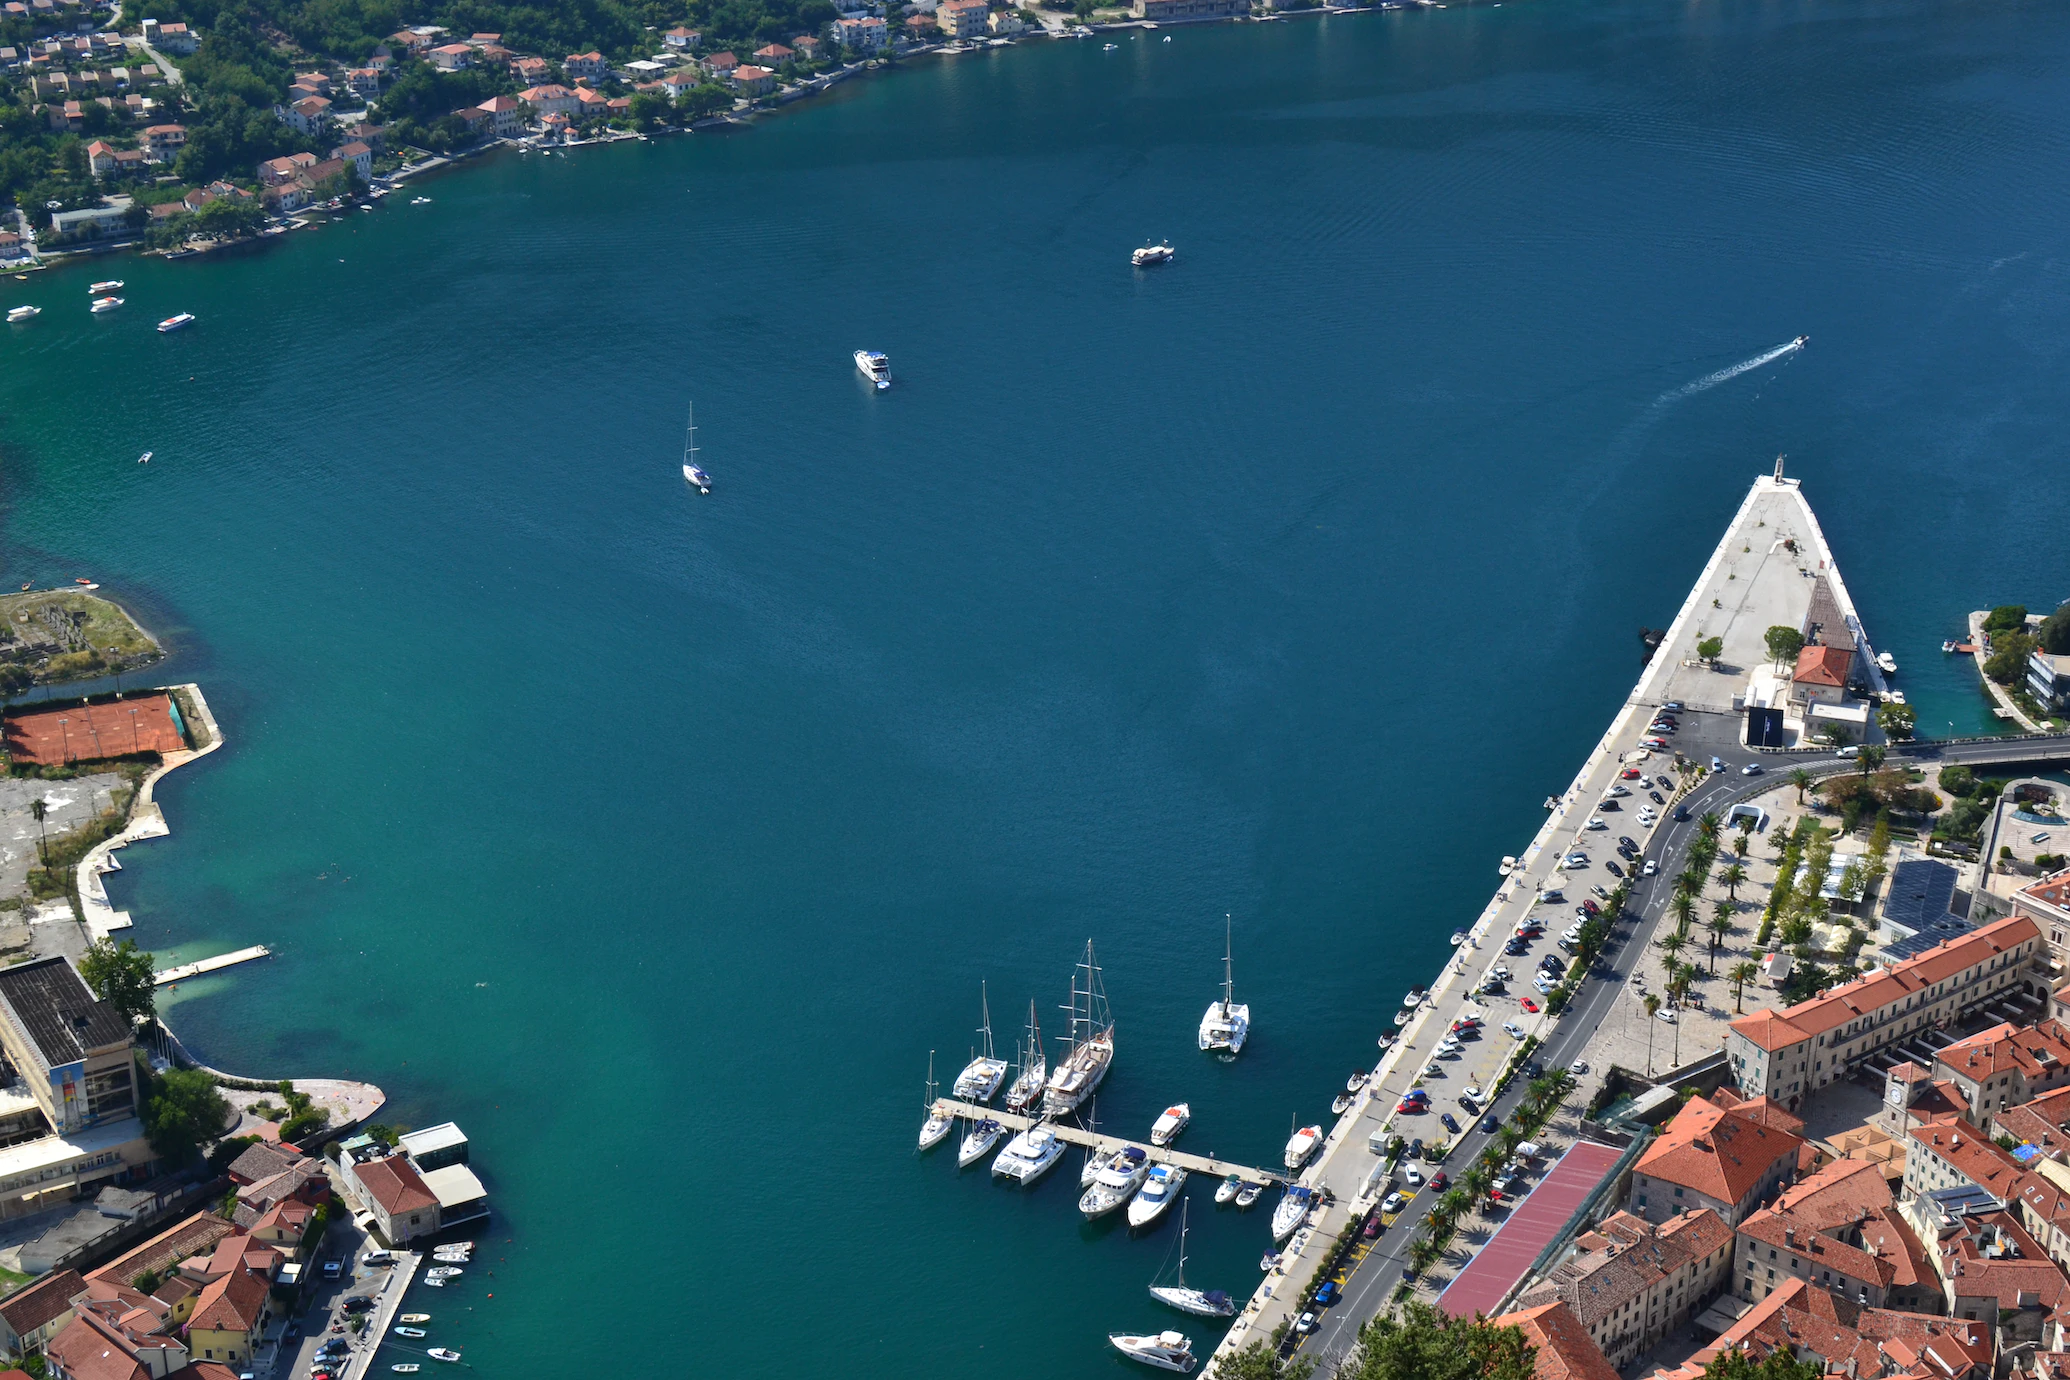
x=1107, y=1145
x=183, y=971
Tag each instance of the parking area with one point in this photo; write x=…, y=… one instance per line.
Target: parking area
x=348, y=1317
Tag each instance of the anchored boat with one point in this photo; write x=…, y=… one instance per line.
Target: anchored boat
x=1164, y=1350
x=875, y=366
x=1227, y=1023
x=978, y=1141
x=1167, y=1127
x=1204, y=1303
x=981, y=1077
x=1091, y=1042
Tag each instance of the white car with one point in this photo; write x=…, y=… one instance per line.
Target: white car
x=1652, y=867
x=1596, y=822
x=1619, y=791
x=1448, y=1046
x=1393, y=1202
x=1500, y=970
x=1667, y=1014
x=1578, y=1067
x=1413, y=1176
x=1513, y=1030
x=1575, y=863
x=1545, y=982
x=1472, y=1090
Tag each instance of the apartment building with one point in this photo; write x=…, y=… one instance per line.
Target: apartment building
x=1630, y=1282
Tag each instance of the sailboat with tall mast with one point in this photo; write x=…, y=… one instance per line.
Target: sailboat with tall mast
x=1034, y=1069
x=1091, y=1041
x=695, y=475
x=938, y=1121
x=1204, y=1303
x=981, y=1077
x=1227, y=1023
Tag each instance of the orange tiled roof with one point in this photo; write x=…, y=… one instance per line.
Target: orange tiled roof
x=1719, y=1153
x=1565, y=1350
x=1972, y=1154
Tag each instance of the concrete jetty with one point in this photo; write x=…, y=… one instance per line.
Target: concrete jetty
x=181, y=972
x=1107, y=1145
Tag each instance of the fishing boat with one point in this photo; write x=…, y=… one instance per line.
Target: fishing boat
x=938, y=1120
x=174, y=323
x=1227, y=1190
x=1029, y=1155
x=696, y=476
x=409, y=1331
x=1227, y=1024
x=978, y=1141
x=1167, y=1127
x=1293, y=1206
x=1159, y=1191
x=439, y=1353
x=103, y=287
x=1152, y=254
x=1091, y=1041
x=1164, y=1350
x=101, y=304
x=1203, y=1303
x=1117, y=1179
x=1026, y=1089
x=875, y=366
x=415, y=1318
x=1248, y=1194
x=23, y=313
x=981, y=1077
x=1302, y=1144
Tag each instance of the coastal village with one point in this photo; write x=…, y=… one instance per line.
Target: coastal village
x=157, y=1217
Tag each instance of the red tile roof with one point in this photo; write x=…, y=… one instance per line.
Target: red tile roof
x=1565, y=1350
x=1824, y=666
x=395, y=1184
x=230, y=1304
x=25, y=1310
x=1719, y=1153
x=1972, y=1155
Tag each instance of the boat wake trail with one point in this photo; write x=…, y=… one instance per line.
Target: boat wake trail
x=1710, y=381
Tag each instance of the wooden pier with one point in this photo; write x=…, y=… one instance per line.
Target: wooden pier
x=183, y=971
x=1107, y=1145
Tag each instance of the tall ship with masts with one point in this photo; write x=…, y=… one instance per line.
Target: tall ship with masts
x=1091, y=1041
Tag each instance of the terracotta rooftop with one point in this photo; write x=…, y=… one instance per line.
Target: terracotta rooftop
x=395, y=1184
x=1824, y=666
x=1972, y=1154
x=1719, y=1153
x=1624, y=1257
x=1565, y=1350
x=2036, y=1052
x=28, y=1309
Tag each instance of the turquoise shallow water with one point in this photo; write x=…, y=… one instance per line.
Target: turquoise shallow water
x=657, y=839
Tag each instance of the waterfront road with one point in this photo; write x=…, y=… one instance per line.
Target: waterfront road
x=1374, y=1279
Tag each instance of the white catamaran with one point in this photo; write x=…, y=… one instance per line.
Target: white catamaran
x=1227, y=1023
x=1034, y=1069
x=981, y=1077
x=1205, y=1303
x=1091, y=1041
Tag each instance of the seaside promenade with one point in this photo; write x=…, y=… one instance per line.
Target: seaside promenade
x=1763, y=572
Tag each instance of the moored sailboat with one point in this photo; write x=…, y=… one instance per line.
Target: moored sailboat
x=1091, y=1042
x=1227, y=1023
x=1204, y=1303
x=978, y=1141
x=1026, y=1090
x=981, y=1077
x=696, y=476
x=938, y=1120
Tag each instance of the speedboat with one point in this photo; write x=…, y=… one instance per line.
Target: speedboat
x=1227, y=1023
x=874, y=366
x=103, y=287
x=1269, y=1261
x=1415, y=997
x=1508, y=866
x=415, y=1318
x=1157, y=1194
x=1029, y=1155
x=1152, y=254
x=1115, y=1181
x=1293, y=1206
x=23, y=313
x=1356, y=1081
x=1801, y=341
x=979, y=1139
x=174, y=323
x=981, y=1077
x=1340, y=1104
x=699, y=478
x=1248, y=1194
x=434, y=1283
x=1458, y=938
x=439, y=1353
x=1302, y=1144
x=1404, y=1016
x=1164, y=1350
x=409, y=1331
x=101, y=304
x=145, y=458
x=1887, y=662
x=1227, y=1190
x=404, y=1367
x=1945, y=646
x=1167, y=1128
x=443, y=1272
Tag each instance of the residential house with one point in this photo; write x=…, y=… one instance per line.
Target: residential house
x=30, y=1317
x=452, y=57
x=195, y=1236
x=477, y=120
x=961, y=18
x=506, y=115
x=372, y=135
x=720, y=64
x=1562, y=1348
x=921, y=28
x=229, y=1318
x=12, y=247
x=772, y=55
x=1630, y=1282
x=867, y=34
x=1995, y=1274
x=435, y=1147
x=1955, y=1154
x=676, y=84
x=319, y=83
x=485, y=40
x=1839, y=1229
x=531, y=70
x=584, y=67
x=307, y=115
x=116, y=1334
x=276, y=172
x=591, y=105
x=682, y=39
x=1851, y=1340
x=1820, y=678
x=1004, y=22
x=1712, y=1157
x=359, y=156
x=162, y=143
x=551, y=99
x=170, y=38
x=618, y=108
x=395, y=1193
x=753, y=81
x=100, y=158
x=1787, y=1054
x=808, y=48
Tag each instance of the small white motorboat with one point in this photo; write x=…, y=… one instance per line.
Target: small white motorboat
x=1164, y=1350
x=1340, y=1104
x=1226, y=1191
x=1248, y=1194
x=1167, y=1128
x=434, y=1283
x=415, y=1318
x=23, y=313
x=1302, y=1144
x=443, y=1272
x=439, y=1353
x=1152, y=254
x=1887, y=662
x=1356, y=1081
x=145, y=458
x=1508, y=866
x=1269, y=1261
x=409, y=1331
x=104, y=287
x=404, y=1367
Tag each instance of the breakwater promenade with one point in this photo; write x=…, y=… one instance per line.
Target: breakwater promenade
x=1765, y=570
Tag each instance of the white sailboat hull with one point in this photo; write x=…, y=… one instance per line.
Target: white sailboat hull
x=1224, y=1029
x=978, y=1143
x=1193, y=1301
x=980, y=1080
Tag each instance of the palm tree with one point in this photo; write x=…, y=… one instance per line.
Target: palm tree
x=1707, y=827
x=1871, y=758
x=1682, y=907
x=1730, y=877
x=1691, y=880
x=1652, y=1010
x=39, y=810
x=1801, y=779
x=1671, y=944
x=1721, y=930
x=1740, y=845
x=1477, y=1180
x=1456, y=1203
x=1741, y=974
x=1422, y=1255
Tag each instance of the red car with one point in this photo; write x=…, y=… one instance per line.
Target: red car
x=1529, y=1005
x=1631, y=774
x=1439, y=1183
x=1409, y=1106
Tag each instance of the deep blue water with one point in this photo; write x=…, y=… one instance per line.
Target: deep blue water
x=657, y=838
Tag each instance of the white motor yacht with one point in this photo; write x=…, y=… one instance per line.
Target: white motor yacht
x=1302, y=1144
x=978, y=1141
x=874, y=366
x=1227, y=1023
x=1115, y=1182
x=101, y=304
x=176, y=322
x=1152, y=254
x=1293, y=1207
x=1226, y=1191
x=1029, y=1155
x=938, y=1123
x=1155, y=1198
x=1887, y=662
x=1091, y=1042
x=23, y=313
x=1167, y=1127
x=981, y=1077
x=104, y=287
x=1165, y=1350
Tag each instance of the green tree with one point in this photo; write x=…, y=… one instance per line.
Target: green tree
x=1779, y=1364
x=1800, y=778
x=1784, y=642
x=2005, y=618
x=123, y=976
x=1731, y=877
x=2007, y=663
x=1711, y=648
x=1652, y=1005
x=1958, y=780
x=14, y=679
x=2055, y=631
x=1260, y=1361
x=1422, y=1342
x=182, y=1112
x=1741, y=974
x=1869, y=758
x=1898, y=721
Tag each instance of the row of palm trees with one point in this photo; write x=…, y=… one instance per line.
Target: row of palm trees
x=1470, y=1190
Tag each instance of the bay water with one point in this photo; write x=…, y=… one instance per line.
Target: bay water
x=658, y=838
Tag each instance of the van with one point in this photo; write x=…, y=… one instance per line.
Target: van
x=1849, y=751
x=332, y=1269
x=1530, y=1150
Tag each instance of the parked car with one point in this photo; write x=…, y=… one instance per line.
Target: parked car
x=1393, y=1202
x=1516, y=948
x=1592, y=908
x=1631, y=774
x=1615, y=870
x=1621, y=791
x=1305, y=1324
x=1671, y=707
x=358, y=1303
x=1328, y=1294
x=1472, y=1090
x=1450, y=1125
x=1578, y=1067
x=1664, y=783
x=1530, y=1005
x=1374, y=1226
x=1409, y=1106
x=1658, y=798
x=1657, y=744
x=333, y=1268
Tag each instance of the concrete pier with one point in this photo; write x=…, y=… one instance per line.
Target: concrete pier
x=181, y=972
x=1107, y=1145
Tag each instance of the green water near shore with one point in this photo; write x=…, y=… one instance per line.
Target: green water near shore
x=657, y=839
